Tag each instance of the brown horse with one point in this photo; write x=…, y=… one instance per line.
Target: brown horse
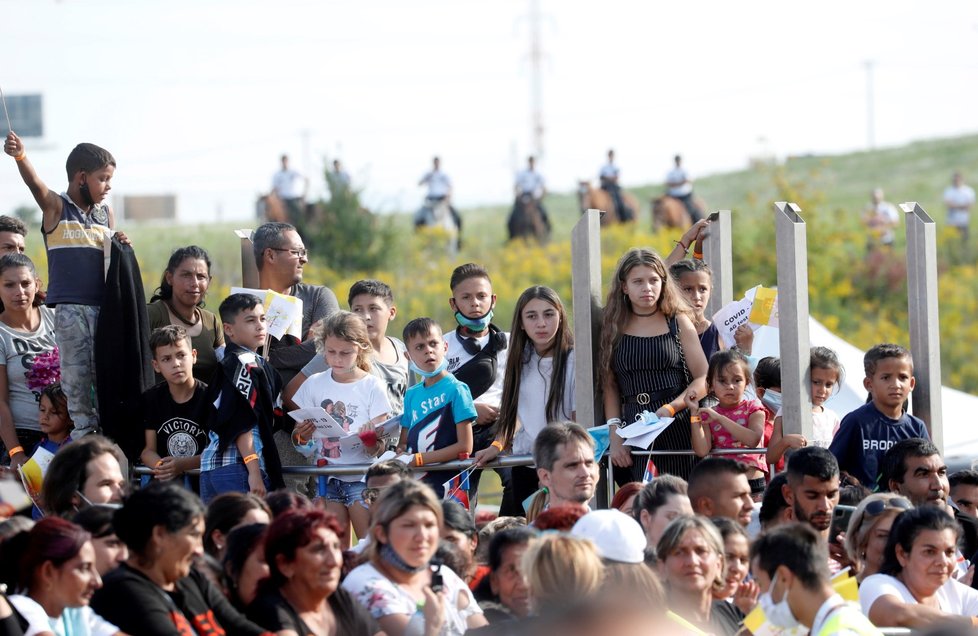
x=527, y=220
x=669, y=212
x=589, y=197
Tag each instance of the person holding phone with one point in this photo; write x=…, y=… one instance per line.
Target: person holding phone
x=398, y=584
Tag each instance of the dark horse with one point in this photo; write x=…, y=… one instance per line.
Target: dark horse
x=528, y=220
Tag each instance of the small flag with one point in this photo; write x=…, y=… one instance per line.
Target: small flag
x=457, y=488
x=651, y=472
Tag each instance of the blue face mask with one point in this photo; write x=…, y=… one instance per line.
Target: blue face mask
x=428, y=374
x=772, y=400
x=474, y=325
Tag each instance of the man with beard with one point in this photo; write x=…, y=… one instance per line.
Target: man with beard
x=718, y=487
x=812, y=493
x=915, y=469
x=564, y=455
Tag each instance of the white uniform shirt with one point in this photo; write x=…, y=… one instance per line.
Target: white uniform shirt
x=288, y=184
x=439, y=185
x=609, y=171
x=678, y=175
x=958, y=201
x=530, y=182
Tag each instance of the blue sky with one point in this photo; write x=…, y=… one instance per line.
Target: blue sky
x=199, y=99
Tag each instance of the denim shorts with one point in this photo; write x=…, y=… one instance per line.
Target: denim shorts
x=345, y=492
x=230, y=478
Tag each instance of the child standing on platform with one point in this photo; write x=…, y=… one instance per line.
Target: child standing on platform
x=75, y=225
x=734, y=422
x=438, y=412
x=826, y=374
x=359, y=402
x=538, y=389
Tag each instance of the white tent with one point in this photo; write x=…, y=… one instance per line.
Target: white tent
x=960, y=436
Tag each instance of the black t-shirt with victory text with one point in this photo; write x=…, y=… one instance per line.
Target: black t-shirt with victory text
x=179, y=427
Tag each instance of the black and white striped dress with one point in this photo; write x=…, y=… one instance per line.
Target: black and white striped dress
x=653, y=365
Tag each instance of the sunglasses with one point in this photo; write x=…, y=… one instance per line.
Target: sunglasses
x=877, y=506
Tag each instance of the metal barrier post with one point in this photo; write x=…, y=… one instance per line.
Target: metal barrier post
x=586, y=298
x=922, y=315
x=249, y=269
x=718, y=254
x=796, y=387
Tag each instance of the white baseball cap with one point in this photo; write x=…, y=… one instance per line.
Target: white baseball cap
x=617, y=536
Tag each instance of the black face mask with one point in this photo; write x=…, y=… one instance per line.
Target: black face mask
x=86, y=194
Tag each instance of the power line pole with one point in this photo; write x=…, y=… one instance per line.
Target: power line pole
x=536, y=80
x=870, y=106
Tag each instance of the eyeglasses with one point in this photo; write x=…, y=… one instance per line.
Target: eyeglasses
x=877, y=506
x=298, y=253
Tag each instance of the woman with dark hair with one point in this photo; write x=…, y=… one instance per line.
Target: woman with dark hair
x=156, y=592
x=110, y=551
x=53, y=569
x=284, y=500
x=179, y=300
x=244, y=563
x=658, y=503
x=225, y=513
x=26, y=331
x=538, y=387
x=914, y=587
x=301, y=596
x=83, y=473
x=395, y=584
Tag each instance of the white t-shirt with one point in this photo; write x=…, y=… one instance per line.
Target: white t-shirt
x=17, y=351
x=953, y=597
x=352, y=404
x=74, y=621
x=439, y=185
x=288, y=184
x=530, y=182
x=535, y=384
x=958, y=201
x=824, y=427
x=678, y=175
x=382, y=597
x=457, y=356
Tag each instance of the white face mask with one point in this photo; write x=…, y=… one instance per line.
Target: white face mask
x=778, y=613
x=772, y=400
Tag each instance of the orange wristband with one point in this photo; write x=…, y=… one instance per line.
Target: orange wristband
x=672, y=411
x=695, y=419
x=15, y=450
x=21, y=156
x=418, y=460
x=251, y=458
x=498, y=445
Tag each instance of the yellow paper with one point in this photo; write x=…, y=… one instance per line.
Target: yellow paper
x=846, y=586
x=764, y=306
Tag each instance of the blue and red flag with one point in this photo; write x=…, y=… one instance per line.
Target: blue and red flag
x=651, y=472
x=457, y=488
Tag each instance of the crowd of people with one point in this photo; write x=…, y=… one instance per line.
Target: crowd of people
x=220, y=538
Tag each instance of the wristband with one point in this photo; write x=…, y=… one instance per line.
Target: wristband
x=695, y=419
x=15, y=450
x=498, y=445
x=672, y=411
x=698, y=255
x=614, y=421
x=21, y=156
x=251, y=458
x=298, y=440
x=418, y=460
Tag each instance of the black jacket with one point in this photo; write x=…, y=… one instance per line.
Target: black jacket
x=123, y=360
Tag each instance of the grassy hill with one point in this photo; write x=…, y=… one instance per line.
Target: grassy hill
x=862, y=300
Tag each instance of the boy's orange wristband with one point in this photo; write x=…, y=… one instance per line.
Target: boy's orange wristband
x=15, y=450
x=251, y=458
x=21, y=156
